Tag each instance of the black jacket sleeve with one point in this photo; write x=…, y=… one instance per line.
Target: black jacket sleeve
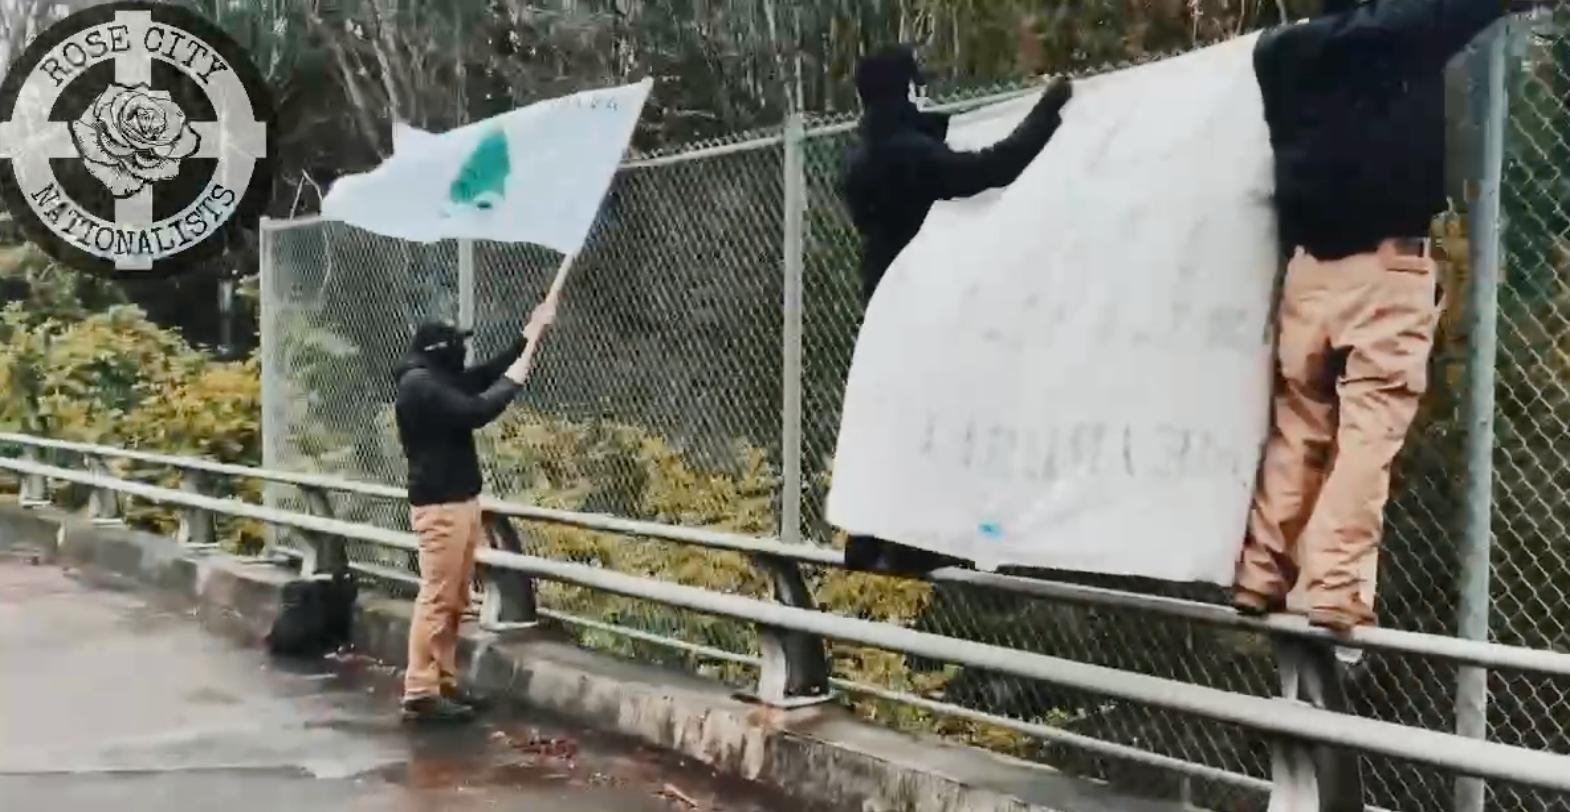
x=479, y=377
x=445, y=404
x=1430, y=31
x=948, y=174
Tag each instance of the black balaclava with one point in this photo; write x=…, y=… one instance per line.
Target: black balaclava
x=887, y=75
x=441, y=345
x=884, y=80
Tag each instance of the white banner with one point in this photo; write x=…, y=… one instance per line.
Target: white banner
x=1074, y=372
x=537, y=174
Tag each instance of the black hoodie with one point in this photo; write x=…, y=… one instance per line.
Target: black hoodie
x=903, y=165
x=1355, y=100
x=438, y=410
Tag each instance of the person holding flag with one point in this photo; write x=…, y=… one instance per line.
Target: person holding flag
x=537, y=175
x=439, y=407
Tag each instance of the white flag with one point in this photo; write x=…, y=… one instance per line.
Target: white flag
x=1074, y=372
x=537, y=174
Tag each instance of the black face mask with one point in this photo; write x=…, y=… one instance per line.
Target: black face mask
x=448, y=357
x=441, y=345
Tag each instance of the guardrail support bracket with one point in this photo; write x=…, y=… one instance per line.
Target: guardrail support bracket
x=103, y=504
x=795, y=670
x=196, y=525
x=323, y=554
x=35, y=488
x=509, y=603
x=1311, y=777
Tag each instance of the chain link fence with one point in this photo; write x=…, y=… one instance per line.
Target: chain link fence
x=1531, y=560
x=660, y=395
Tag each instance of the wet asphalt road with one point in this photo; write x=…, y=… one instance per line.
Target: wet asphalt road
x=109, y=701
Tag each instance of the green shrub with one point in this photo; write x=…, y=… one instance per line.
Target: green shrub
x=115, y=378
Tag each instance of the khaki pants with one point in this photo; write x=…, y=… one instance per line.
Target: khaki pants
x=1355, y=336
x=449, y=534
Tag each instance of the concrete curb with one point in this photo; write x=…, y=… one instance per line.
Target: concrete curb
x=824, y=756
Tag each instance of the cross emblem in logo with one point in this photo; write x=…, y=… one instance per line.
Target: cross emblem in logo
x=131, y=137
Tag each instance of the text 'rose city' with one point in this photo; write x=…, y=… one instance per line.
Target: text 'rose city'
x=173, y=45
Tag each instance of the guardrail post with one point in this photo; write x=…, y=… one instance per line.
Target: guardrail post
x=35, y=487
x=1313, y=777
x=103, y=504
x=795, y=669
x=196, y=525
x=509, y=602
x=323, y=553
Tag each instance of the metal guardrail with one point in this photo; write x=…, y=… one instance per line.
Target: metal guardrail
x=1390, y=641
x=1306, y=738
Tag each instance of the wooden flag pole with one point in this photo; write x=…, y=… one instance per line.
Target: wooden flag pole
x=552, y=296
x=561, y=277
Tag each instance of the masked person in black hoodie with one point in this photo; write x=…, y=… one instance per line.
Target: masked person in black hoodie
x=1355, y=103
x=901, y=167
x=440, y=405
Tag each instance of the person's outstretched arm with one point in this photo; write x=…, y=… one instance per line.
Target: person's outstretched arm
x=516, y=360
x=948, y=174
x=543, y=317
x=485, y=373
x=445, y=404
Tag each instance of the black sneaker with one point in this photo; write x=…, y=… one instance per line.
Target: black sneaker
x=464, y=697
x=436, y=710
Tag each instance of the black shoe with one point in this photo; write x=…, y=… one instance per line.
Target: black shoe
x=436, y=710
x=863, y=553
x=467, y=698
x=869, y=554
x=1252, y=604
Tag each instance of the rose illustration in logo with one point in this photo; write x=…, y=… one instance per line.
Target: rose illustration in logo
x=132, y=136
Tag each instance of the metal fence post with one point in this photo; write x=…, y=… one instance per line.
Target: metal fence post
x=466, y=284
x=273, y=396
x=35, y=488
x=795, y=184
x=1471, y=702
x=1310, y=777
x=509, y=602
x=196, y=525
x=795, y=669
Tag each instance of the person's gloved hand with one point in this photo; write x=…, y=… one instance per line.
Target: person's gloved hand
x=1059, y=90
x=543, y=316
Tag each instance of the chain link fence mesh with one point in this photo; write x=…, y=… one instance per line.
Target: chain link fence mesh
x=659, y=397
x=1531, y=562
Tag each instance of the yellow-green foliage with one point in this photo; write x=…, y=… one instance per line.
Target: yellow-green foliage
x=116, y=378
x=626, y=470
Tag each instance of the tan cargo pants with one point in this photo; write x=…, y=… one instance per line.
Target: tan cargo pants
x=1352, y=363
x=449, y=534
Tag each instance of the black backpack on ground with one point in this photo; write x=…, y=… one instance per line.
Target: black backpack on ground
x=315, y=616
